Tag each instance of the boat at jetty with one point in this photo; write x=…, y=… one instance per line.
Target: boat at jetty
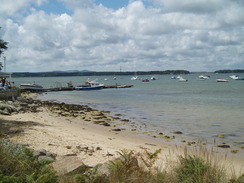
x=31, y=87
x=90, y=85
x=222, y=80
x=87, y=87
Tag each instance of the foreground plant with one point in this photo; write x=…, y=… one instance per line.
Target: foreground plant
x=18, y=165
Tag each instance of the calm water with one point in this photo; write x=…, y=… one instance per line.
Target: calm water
x=200, y=109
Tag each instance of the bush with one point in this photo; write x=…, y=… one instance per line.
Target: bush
x=17, y=164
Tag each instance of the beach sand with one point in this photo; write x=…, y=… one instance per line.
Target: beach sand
x=93, y=143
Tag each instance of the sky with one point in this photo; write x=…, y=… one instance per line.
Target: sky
x=131, y=35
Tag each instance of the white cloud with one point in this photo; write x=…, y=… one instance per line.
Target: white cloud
x=192, y=35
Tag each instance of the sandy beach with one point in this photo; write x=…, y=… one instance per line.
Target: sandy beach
x=93, y=143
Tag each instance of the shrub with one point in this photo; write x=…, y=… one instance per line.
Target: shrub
x=17, y=164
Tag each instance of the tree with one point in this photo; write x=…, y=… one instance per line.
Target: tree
x=3, y=46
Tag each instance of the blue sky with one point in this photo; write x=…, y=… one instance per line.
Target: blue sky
x=136, y=35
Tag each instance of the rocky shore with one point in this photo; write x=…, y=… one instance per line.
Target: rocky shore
x=78, y=133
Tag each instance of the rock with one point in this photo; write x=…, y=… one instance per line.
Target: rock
x=40, y=152
x=178, y=132
x=45, y=158
x=4, y=112
x=223, y=146
x=68, y=165
x=116, y=129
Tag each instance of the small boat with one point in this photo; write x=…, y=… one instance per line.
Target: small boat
x=87, y=87
x=236, y=77
x=31, y=87
x=222, y=80
x=181, y=79
x=90, y=85
x=173, y=77
x=135, y=78
x=145, y=80
x=202, y=77
x=153, y=78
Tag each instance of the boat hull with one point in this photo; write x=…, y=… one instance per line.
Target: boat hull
x=88, y=88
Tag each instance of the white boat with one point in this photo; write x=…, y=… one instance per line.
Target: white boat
x=31, y=86
x=236, y=77
x=135, y=78
x=222, y=80
x=153, y=78
x=181, y=79
x=202, y=77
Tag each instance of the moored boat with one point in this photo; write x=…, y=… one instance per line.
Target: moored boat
x=87, y=87
x=202, y=77
x=236, y=77
x=222, y=80
x=31, y=87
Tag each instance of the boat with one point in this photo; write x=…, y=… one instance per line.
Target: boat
x=90, y=85
x=87, y=87
x=153, y=78
x=145, y=80
x=236, y=77
x=181, y=79
x=135, y=78
x=222, y=80
x=31, y=87
x=202, y=77
x=173, y=77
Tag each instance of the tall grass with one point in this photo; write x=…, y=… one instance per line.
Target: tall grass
x=18, y=165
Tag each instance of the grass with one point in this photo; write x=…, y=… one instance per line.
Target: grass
x=18, y=165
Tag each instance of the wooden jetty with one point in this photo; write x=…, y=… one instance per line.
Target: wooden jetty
x=73, y=88
x=117, y=86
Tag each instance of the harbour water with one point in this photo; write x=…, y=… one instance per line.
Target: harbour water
x=199, y=109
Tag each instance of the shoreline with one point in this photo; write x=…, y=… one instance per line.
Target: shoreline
x=85, y=136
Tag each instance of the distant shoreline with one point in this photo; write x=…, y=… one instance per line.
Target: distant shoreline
x=116, y=73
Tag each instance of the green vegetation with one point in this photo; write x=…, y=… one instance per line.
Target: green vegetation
x=230, y=71
x=3, y=46
x=18, y=165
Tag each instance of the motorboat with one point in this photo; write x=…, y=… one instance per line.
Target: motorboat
x=236, y=77
x=153, y=78
x=87, y=87
x=181, y=79
x=145, y=80
x=222, y=80
x=31, y=87
x=202, y=77
x=90, y=85
x=135, y=78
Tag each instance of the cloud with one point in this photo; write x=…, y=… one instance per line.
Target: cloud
x=192, y=35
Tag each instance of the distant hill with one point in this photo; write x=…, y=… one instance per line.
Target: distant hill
x=230, y=71
x=93, y=73
x=71, y=71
